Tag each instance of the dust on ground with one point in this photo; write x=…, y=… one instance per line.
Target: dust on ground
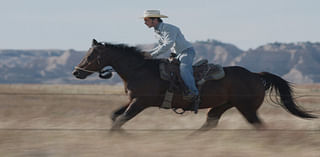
x=73, y=120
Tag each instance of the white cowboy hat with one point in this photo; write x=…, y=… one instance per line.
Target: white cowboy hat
x=153, y=13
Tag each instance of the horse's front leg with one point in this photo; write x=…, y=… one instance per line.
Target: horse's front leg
x=135, y=107
x=116, y=113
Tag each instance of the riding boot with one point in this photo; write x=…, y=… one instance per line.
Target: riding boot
x=194, y=101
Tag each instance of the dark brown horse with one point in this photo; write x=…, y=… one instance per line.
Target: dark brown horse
x=239, y=88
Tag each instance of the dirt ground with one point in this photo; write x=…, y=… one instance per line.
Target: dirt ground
x=73, y=120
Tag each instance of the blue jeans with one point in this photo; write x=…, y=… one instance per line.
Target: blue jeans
x=186, y=71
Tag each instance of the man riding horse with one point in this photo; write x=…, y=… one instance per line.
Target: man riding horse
x=146, y=87
x=170, y=36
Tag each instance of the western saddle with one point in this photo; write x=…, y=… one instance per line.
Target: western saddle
x=202, y=72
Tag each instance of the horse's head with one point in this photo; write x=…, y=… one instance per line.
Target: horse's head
x=93, y=61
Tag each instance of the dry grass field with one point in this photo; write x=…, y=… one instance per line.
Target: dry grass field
x=73, y=121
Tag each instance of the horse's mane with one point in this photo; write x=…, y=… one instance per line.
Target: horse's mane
x=129, y=50
x=135, y=51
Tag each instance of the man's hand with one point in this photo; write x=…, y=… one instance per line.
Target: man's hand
x=147, y=55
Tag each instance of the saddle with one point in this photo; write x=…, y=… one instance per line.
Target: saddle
x=202, y=72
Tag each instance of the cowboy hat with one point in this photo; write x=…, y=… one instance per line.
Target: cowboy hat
x=153, y=13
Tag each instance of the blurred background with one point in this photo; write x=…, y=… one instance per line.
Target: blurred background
x=41, y=41
x=45, y=111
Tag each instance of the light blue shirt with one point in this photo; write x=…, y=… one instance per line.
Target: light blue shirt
x=169, y=36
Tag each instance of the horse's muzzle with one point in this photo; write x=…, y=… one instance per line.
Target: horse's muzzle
x=79, y=74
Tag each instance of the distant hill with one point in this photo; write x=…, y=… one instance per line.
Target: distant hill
x=296, y=62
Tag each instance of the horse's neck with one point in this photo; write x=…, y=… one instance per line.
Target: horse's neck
x=127, y=67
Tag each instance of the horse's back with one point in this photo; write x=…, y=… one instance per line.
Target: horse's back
x=238, y=83
x=233, y=71
x=244, y=85
x=242, y=78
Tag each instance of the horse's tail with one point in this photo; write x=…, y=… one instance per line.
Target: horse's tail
x=283, y=89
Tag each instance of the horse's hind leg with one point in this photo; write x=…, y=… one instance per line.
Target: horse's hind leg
x=214, y=115
x=251, y=115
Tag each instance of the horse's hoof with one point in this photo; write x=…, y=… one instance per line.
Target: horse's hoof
x=114, y=117
x=116, y=129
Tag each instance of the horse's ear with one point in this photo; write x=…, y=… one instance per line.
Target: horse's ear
x=94, y=42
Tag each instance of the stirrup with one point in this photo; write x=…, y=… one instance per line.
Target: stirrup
x=179, y=112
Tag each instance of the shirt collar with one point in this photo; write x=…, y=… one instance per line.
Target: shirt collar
x=157, y=28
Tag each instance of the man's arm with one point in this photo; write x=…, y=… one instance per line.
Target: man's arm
x=169, y=37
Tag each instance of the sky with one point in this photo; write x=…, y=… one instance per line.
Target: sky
x=72, y=24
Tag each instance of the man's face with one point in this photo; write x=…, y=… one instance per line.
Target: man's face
x=149, y=22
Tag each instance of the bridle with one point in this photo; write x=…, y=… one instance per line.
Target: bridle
x=108, y=72
x=85, y=70
x=91, y=71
